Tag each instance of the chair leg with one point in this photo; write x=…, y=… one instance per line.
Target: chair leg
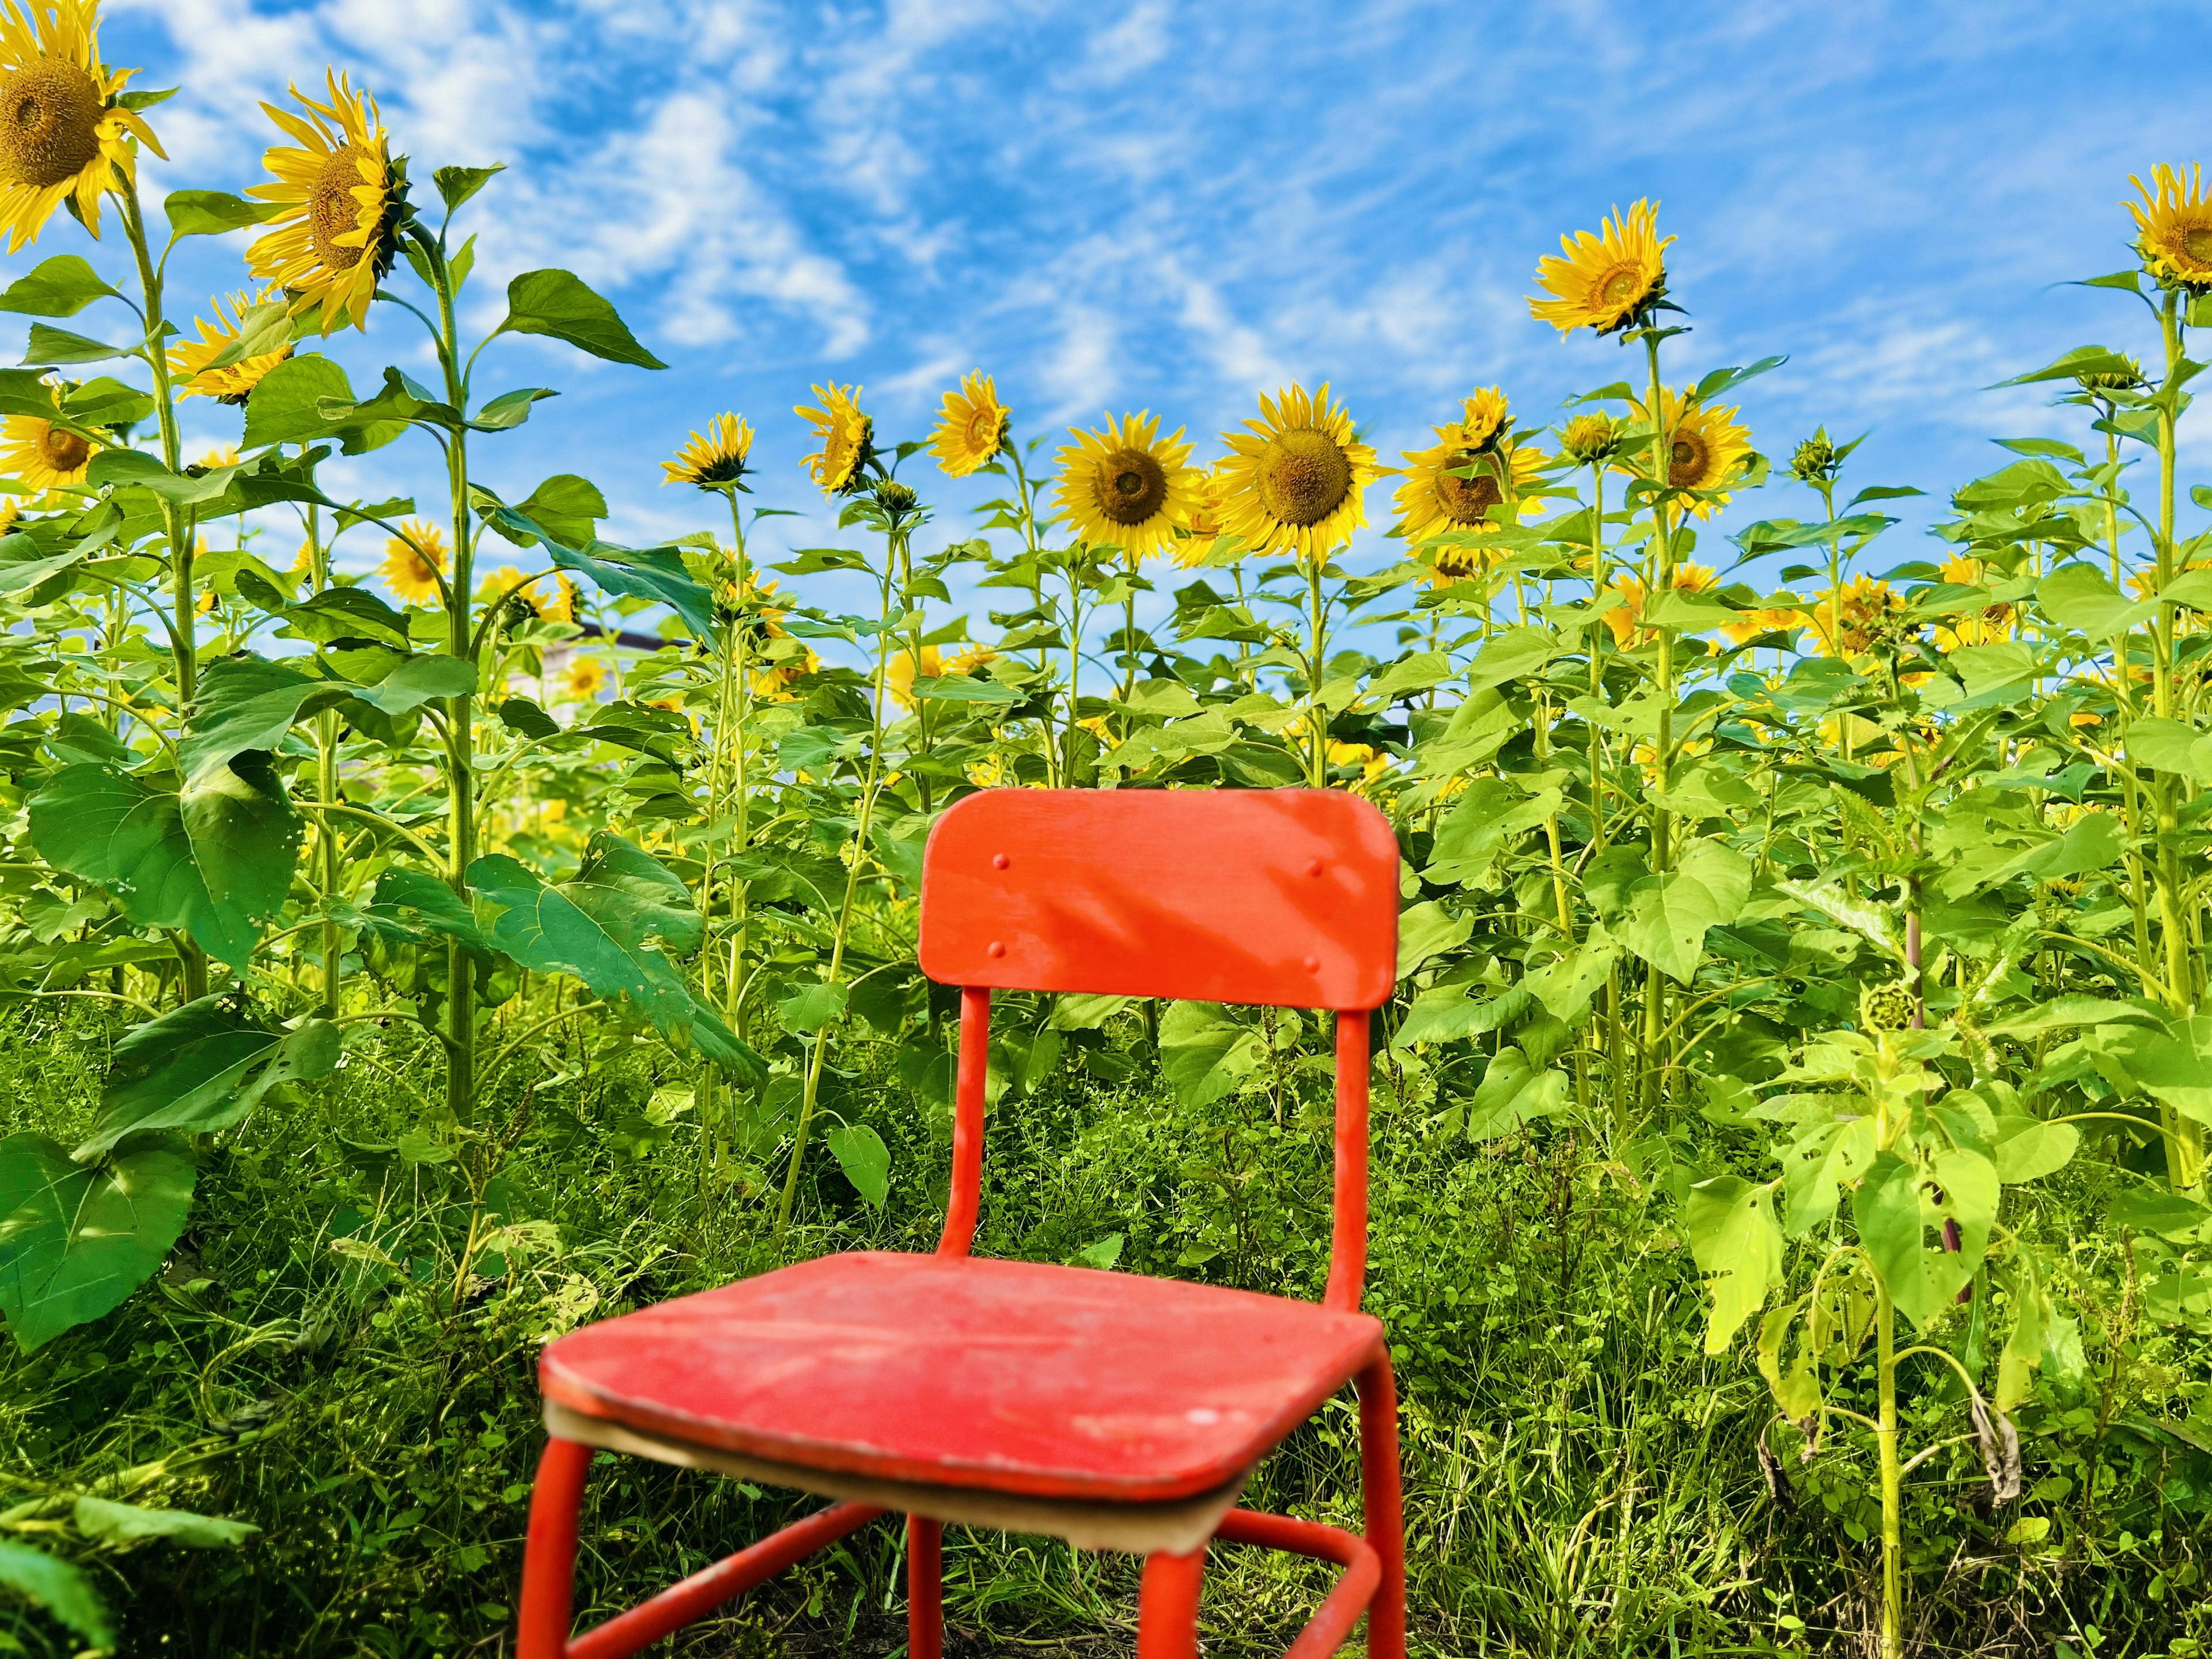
x=1167, y=1605
x=549, y=1557
x=1379, y=1490
x=925, y=1587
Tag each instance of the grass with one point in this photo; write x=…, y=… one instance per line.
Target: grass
x=1581, y=1477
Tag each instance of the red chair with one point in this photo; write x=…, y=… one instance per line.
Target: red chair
x=1113, y=1411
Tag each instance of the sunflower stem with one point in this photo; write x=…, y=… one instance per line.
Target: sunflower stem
x=1662, y=578
x=177, y=524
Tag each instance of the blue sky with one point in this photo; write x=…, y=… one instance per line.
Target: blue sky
x=1173, y=205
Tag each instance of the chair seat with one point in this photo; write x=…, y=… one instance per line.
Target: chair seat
x=995, y=1376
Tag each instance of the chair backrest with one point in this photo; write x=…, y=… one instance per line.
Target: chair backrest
x=1251, y=896
x=1287, y=896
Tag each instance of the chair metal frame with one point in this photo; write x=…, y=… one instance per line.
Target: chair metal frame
x=1282, y=897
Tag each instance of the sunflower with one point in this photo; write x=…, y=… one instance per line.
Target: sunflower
x=1453, y=484
x=1627, y=618
x=1750, y=624
x=2174, y=226
x=1987, y=626
x=1126, y=486
x=413, y=561
x=899, y=673
x=343, y=204
x=846, y=436
x=972, y=429
x=714, y=458
x=1608, y=281
x=1705, y=448
x=583, y=677
x=41, y=455
x=1869, y=607
x=1201, y=524
x=1485, y=417
x=189, y=362
x=1292, y=480
x=62, y=133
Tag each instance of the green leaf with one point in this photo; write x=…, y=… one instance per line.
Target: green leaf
x=1204, y=1053
x=244, y=836
x=212, y=212
x=63, y=1591
x=419, y=680
x=2169, y=1215
x=2023, y=1348
x=285, y=406
x=1728, y=1222
x=409, y=907
x=812, y=1007
x=2170, y=746
x=568, y=506
x=1513, y=1093
x=1103, y=1255
x=134, y=841
x=1428, y=930
x=509, y=410
x=2078, y=596
x=127, y=1523
x=1513, y=654
x=960, y=687
x=201, y=1067
x=1667, y=916
x=558, y=304
x=59, y=287
x=349, y=613
x=74, y=1240
x=2175, y=1067
x=866, y=1162
x=1899, y=1202
x=2028, y=1149
x=1815, y=1166
x=608, y=926
x=1077, y=1012
x=2082, y=360
x=246, y=704
x=655, y=573
x=456, y=184
x=59, y=346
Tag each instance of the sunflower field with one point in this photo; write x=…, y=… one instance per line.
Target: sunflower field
x=428, y=924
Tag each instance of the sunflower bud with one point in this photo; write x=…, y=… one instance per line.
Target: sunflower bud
x=1887, y=1007
x=896, y=498
x=2129, y=379
x=1816, y=459
x=1591, y=440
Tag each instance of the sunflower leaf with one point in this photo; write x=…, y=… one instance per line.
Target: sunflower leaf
x=507, y=410
x=456, y=184
x=266, y=328
x=557, y=303
x=58, y=345
x=59, y=287
x=62, y=1590
x=75, y=1240
x=212, y=212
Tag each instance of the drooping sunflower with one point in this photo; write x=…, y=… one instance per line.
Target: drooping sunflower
x=1607, y=282
x=714, y=458
x=62, y=133
x=1126, y=486
x=189, y=361
x=2174, y=226
x=1453, y=484
x=344, y=203
x=1294, y=479
x=972, y=428
x=1870, y=611
x=41, y=455
x=846, y=436
x=413, y=561
x=1705, y=448
x=1750, y=624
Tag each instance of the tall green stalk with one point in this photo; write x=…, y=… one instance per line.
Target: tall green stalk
x=176, y=523
x=1662, y=578
x=871, y=785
